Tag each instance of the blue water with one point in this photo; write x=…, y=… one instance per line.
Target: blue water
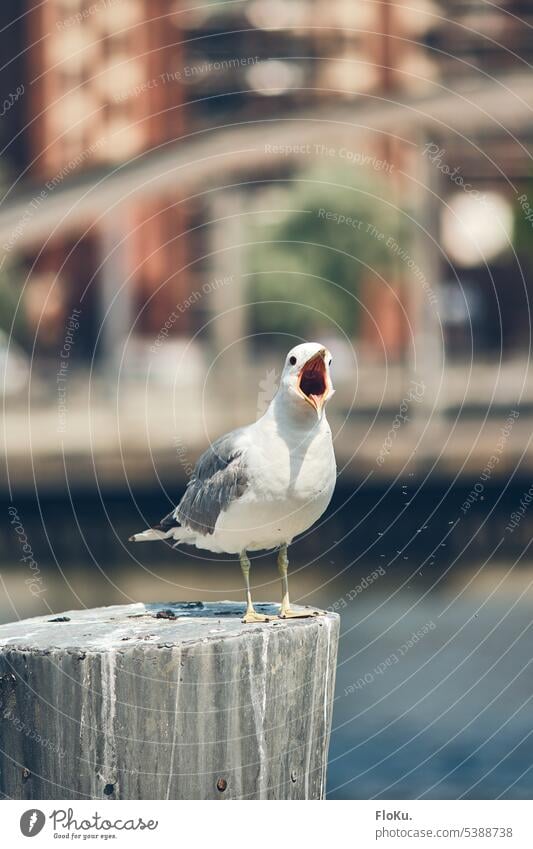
x=452, y=716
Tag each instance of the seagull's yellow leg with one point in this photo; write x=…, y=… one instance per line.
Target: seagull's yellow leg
x=250, y=615
x=286, y=612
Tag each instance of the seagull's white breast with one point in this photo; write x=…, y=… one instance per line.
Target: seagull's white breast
x=291, y=480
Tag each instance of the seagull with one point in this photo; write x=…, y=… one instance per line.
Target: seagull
x=259, y=486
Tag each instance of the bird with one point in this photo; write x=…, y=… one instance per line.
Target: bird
x=261, y=485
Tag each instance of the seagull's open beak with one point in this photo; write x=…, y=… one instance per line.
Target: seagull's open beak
x=313, y=381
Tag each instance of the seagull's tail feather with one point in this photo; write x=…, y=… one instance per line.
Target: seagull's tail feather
x=176, y=533
x=151, y=534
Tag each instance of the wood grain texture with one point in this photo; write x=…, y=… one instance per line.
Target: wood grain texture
x=120, y=703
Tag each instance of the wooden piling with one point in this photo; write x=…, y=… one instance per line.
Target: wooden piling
x=166, y=701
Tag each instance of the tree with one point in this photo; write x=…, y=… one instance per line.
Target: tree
x=307, y=266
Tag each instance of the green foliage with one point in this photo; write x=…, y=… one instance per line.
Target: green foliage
x=12, y=318
x=311, y=260
x=523, y=228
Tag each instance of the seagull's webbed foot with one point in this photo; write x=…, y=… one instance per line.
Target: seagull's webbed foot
x=252, y=616
x=307, y=612
x=286, y=612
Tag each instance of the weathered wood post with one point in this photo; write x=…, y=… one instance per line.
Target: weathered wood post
x=179, y=701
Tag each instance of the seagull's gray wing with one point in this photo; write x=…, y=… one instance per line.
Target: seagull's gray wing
x=219, y=477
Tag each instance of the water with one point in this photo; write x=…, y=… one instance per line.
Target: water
x=446, y=717
x=446, y=714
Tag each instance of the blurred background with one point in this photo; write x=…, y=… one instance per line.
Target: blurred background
x=187, y=192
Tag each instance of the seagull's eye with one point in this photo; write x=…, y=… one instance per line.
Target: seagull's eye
x=292, y=361
x=330, y=362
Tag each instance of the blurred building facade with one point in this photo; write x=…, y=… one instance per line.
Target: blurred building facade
x=113, y=81
x=101, y=97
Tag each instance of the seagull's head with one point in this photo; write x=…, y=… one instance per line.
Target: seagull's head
x=306, y=376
